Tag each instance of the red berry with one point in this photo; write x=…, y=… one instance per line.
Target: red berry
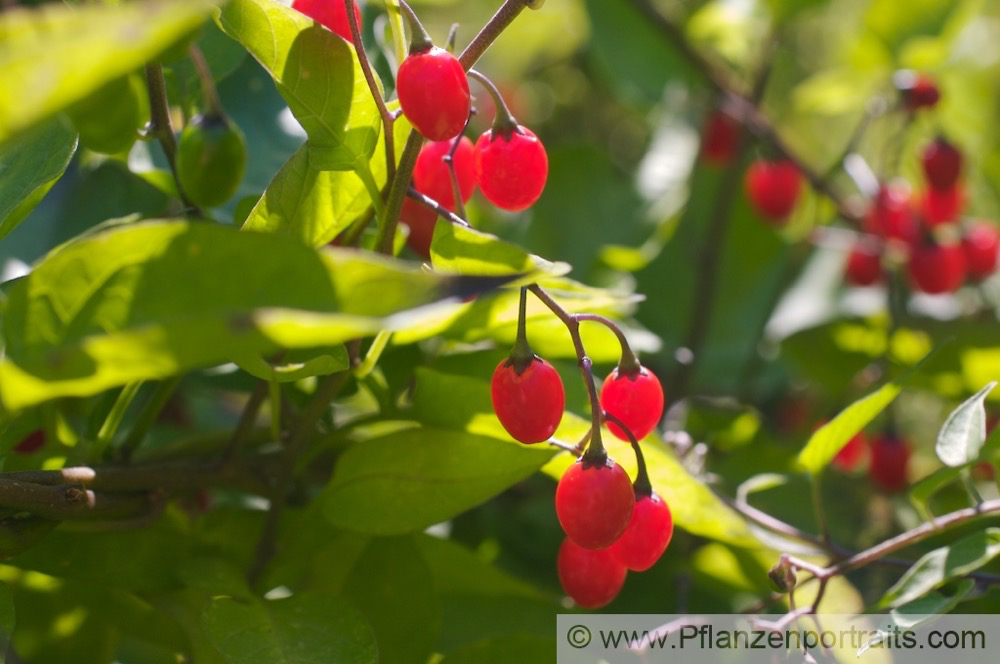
x=773, y=188
x=594, y=502
x=31, y=443
x=942, y=206
x=431, y=175
x=937, y=268
x=331, y=13
x=592, y=578
x=529, y=405
x=890, y=215
x=981, y=245
x=720, y=139
x=852, y=454
x=636, y=400
x=647, y=535
x=421, y=221
x=864, y=265
x=889, y=464
x=511, y=170
x=434, y=93
x=942, y=164
x=917, y=90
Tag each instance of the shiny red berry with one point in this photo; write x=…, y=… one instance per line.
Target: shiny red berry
x=431, y=175
x=891, y=215
x=937, y=268
x=331, y=13
x=511, y=170
x=917, y=90
x=594, y=502
x=852, y=454
x=635, y=399
x=720, y=139
x=942, y=206
x=592, y=578
x=773, y=188
x=864, y=265
x=31, y=443
x=647, y=535
x=434, y=93
x=529, y=405
x=890, y=461
x=981, y=245
x=421, y=221
x=942, y=164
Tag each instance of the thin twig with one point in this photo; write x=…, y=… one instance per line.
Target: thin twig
x=388, y=119
x=160, y=126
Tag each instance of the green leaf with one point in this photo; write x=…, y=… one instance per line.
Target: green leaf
x=942, y=565
x=307, y=627
x=29, y=166
x=297, y=364
x=149, y=300
x=414, y=478
x=54, y=55
x=317, y=73
x=7, y=616
x=962, y=435
x=829, y=439
x=516, y=648
x=463, y=250
x=923, y=490
x=915, y=613
x=316, y=205
x=131, y=560
x=393, y=588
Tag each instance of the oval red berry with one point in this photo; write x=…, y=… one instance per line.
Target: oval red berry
x=889, y=468
x=431, y=175
x=331, y=13
x=981, y=245
x=434, y=94
x=773, y=188
x=636, y=400
x=594, y=502
x=937, y=268
x=511, y=170
x=592, y=578
x=647, y=536
x=864, y=266
x=529, y=405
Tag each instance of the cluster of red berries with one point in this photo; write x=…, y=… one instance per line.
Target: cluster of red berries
x=508, y=162
x=889, y=461
x=942, y=252
x=612, y=526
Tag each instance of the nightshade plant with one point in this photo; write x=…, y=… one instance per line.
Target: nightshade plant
x=268, y=274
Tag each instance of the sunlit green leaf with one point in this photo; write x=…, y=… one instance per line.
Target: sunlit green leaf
x=942, y=565
x=316, y=205
x=305, y=628
x=317, y=73
x=29, y=166
x=414, y=478
x=922, y=491
x=962, y=435
x=828, y=440
x=54, y=54
x=463, y=250
x=151, y=299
